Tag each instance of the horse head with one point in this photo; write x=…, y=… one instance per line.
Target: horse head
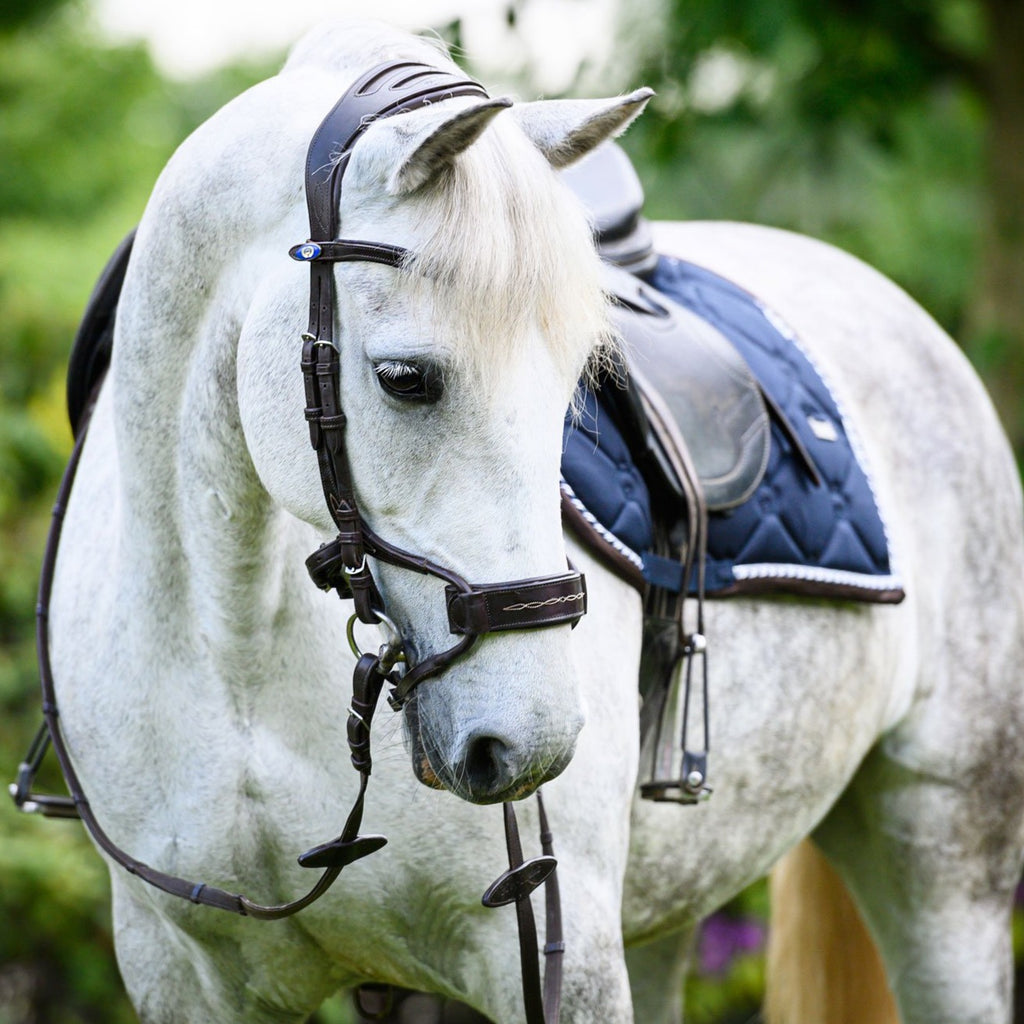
x=457, y=360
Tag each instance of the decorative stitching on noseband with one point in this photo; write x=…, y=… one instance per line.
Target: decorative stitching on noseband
x=533, y=605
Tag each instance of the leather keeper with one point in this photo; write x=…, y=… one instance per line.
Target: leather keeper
x=527, y=604
x=313, y=419
x=350, y=546
x=333, y=428
x=326, y=568
x=365, y=595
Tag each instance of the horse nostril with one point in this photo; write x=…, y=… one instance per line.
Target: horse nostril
x=486, y=765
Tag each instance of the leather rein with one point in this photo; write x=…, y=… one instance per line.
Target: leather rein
x=341, y=564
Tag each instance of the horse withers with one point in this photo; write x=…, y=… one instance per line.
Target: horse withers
x=203, y=680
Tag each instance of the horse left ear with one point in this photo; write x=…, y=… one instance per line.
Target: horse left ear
x=565, y=130
x=437, y=141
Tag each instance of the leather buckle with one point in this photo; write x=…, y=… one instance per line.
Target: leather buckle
x=326, y=567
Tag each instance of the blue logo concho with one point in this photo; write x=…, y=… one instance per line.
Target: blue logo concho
x=305, y=252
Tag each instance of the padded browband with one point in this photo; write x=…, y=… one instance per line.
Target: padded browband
x=393, y=88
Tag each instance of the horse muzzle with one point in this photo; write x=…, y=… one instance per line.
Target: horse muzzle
x=489, y=754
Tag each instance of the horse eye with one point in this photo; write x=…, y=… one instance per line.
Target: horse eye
x=409, y=382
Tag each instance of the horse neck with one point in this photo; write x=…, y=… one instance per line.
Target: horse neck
x=198, y=526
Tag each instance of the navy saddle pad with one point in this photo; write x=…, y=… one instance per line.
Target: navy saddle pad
x=794, y=534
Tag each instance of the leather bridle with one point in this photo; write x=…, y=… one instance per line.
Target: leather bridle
x=341, y=564
x=392, y=88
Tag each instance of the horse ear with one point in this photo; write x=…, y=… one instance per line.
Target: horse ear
x=565, y=130
x=434, y=145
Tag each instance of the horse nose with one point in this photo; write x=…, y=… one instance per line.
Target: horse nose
x=488, y=767
x=492, y=768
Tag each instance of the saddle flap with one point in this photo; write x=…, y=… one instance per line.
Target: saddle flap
x=703, y=382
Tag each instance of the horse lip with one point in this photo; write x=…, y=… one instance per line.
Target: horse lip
x=424, y=771
x=518, y=790
x=421, y=766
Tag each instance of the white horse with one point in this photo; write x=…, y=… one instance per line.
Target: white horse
x=203, y=680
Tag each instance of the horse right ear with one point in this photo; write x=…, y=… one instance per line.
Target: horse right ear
x=566, y=130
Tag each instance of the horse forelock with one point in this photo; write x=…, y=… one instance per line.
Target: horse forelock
x=508, y=251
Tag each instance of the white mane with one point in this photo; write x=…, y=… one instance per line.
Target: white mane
x=510, y=249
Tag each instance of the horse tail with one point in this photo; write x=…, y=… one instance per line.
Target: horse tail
x=822, y=965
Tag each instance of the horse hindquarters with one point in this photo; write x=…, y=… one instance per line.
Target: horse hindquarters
x=942, y=922
x=929, y=834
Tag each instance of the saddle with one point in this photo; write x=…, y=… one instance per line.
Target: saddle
x=714, y=460
x=713, y=388
x=685, y=393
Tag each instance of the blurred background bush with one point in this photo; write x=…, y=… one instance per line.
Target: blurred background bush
x=894, y=128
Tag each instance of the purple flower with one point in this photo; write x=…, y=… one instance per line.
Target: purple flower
x=723, y=938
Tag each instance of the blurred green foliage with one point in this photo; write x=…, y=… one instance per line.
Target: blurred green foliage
x=853, y=122
x=85, y=128
x=864, y=122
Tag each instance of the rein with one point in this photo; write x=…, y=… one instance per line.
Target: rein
x=392, y=88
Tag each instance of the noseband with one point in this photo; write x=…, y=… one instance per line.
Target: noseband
x=389, y=89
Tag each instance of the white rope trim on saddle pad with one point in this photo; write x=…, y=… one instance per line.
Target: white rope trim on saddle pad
x=852, y=435
x=605, y=534
x=754, y=570
x=813, y=574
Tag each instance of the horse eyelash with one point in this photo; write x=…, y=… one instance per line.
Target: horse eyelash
x=395, y=368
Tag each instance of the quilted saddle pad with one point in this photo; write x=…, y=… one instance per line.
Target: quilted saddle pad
x=823, y=537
